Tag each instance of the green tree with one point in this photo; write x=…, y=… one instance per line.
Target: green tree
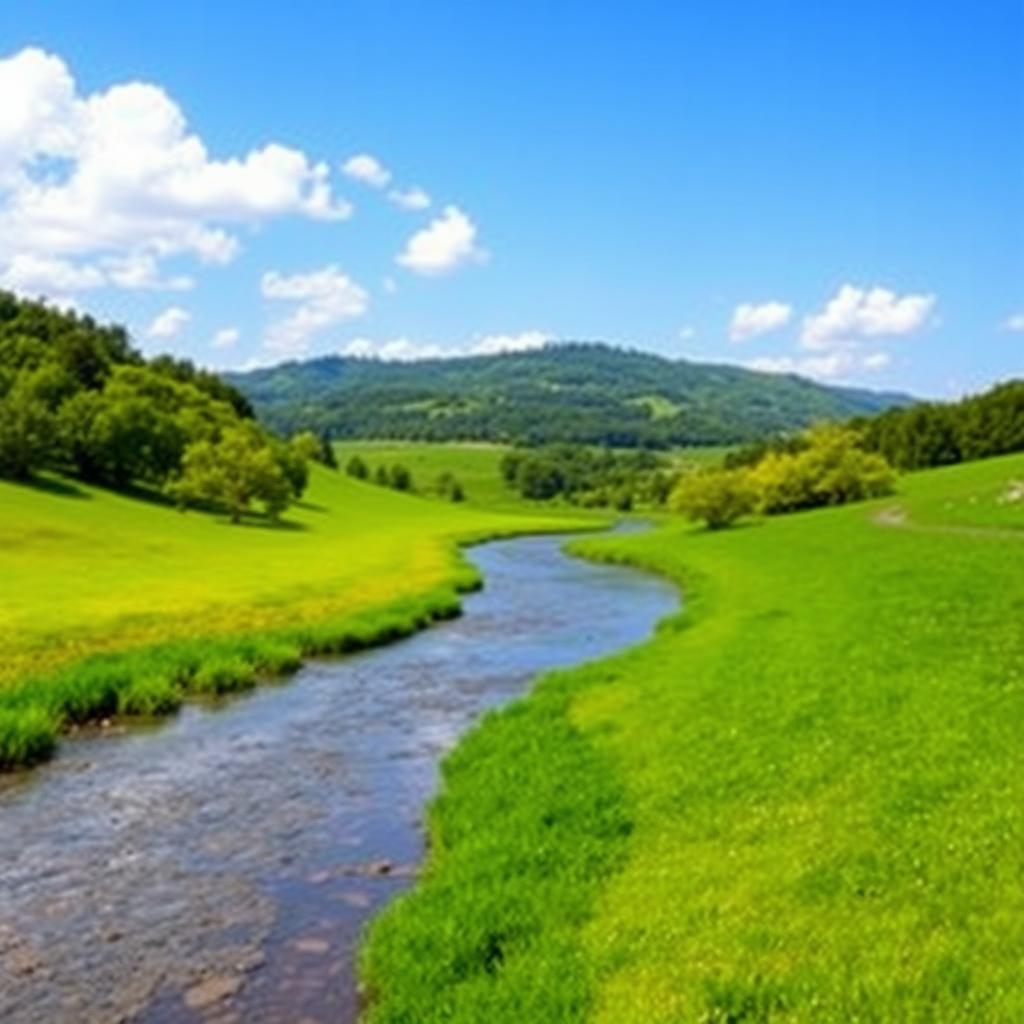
x=232, y=473
x=400, y=478
x=27, y=431
x=716, y=497
x=357, y=468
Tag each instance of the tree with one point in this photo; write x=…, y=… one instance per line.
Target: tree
x=232, y=473
x=716, y=497
x=326, y=456
x=356, y=468
x=400, y=478
x=27, y=430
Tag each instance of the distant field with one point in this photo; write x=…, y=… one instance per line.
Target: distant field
x=801, y=802
x=477, y=466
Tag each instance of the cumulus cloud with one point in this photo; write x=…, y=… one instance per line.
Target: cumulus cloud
x=404, y=350
x=226, y=337
x=829, y=366
x=750, y=319
x=366, y=169
x=30, y=274
x=1014, y=323
x=169, y=323
x=448, y=242
x=399, y=350
x=492, y=344
x=856, y=313
x=114, y=182
x=410, y=198
x=322, y=298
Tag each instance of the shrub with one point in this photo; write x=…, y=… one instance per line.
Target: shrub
x=357, y=468
x=716, y=497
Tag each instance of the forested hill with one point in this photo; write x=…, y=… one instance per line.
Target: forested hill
x=580, y=392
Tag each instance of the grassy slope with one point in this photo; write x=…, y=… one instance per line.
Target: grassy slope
x=87, y=571
x=801, y=802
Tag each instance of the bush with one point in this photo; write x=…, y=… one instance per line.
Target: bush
x=400, y=478
x=357, y=468
x=716, y=497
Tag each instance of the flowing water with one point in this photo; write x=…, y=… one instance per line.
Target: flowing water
x=220, y=866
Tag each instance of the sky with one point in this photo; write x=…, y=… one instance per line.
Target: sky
x=834, y=189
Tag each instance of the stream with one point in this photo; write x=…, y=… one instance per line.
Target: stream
x=219, y=866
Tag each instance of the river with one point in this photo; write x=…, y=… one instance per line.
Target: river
x=220, y=866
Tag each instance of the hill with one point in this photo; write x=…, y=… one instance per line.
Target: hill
x=582, y=392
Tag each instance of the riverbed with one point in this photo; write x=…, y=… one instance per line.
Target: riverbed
x=220, y=866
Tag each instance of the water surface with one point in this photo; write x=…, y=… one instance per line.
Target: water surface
x=220, y=867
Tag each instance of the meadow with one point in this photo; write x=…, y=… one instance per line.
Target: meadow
x=477, y=466
x=117, y=604
x=801, y=801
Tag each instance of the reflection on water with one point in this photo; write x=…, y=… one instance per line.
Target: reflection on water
x=220, y=866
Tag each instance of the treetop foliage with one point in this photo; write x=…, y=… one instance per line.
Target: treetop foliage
x=77, y=398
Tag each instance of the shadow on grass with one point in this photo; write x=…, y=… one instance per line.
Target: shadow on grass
x=255, y=521
x=54, y=485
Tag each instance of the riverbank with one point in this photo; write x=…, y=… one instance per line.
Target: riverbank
x=117, y=605
x=230, y=857
x=799, y=801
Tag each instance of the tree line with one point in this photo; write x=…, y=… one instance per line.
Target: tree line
x=77, y=398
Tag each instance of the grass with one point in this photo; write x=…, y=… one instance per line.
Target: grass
x=116, y=605
x=800, y=802
x=477, y=467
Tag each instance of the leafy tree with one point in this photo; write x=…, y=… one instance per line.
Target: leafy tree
x=327, y=456
x=357, y=468
x=27, y=429
x=232, y=473
x=716, y=497
x=400, y=478
x=382, y=477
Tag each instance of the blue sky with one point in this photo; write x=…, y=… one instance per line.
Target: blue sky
x=836, y=189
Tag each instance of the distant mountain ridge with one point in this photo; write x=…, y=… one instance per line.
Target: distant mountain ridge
x=585, y=392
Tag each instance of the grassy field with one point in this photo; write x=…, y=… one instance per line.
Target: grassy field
x=111, y=603
x=802, y=801
x=477, y=467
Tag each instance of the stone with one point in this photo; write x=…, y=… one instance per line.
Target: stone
x=212, y=991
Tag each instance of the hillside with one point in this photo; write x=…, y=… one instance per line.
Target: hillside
x=581, y=392
x=106, y=590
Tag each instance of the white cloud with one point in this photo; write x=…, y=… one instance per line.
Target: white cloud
x=367, y=169
x=405, y=350
x=324, y=298
x=828, y=366
x=169, y=323
x=410, y=198
x=399, y=350
x=1014, y=323
x=491, y=344
x=687, y=333
x=750, y=320
x=854, y=314
x=30, y=274
x=226, y=337
x=449, y=241
x=117, y=181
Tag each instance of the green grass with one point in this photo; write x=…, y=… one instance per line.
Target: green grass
x=477, y=466
x=802, y=801
x=117, y=605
